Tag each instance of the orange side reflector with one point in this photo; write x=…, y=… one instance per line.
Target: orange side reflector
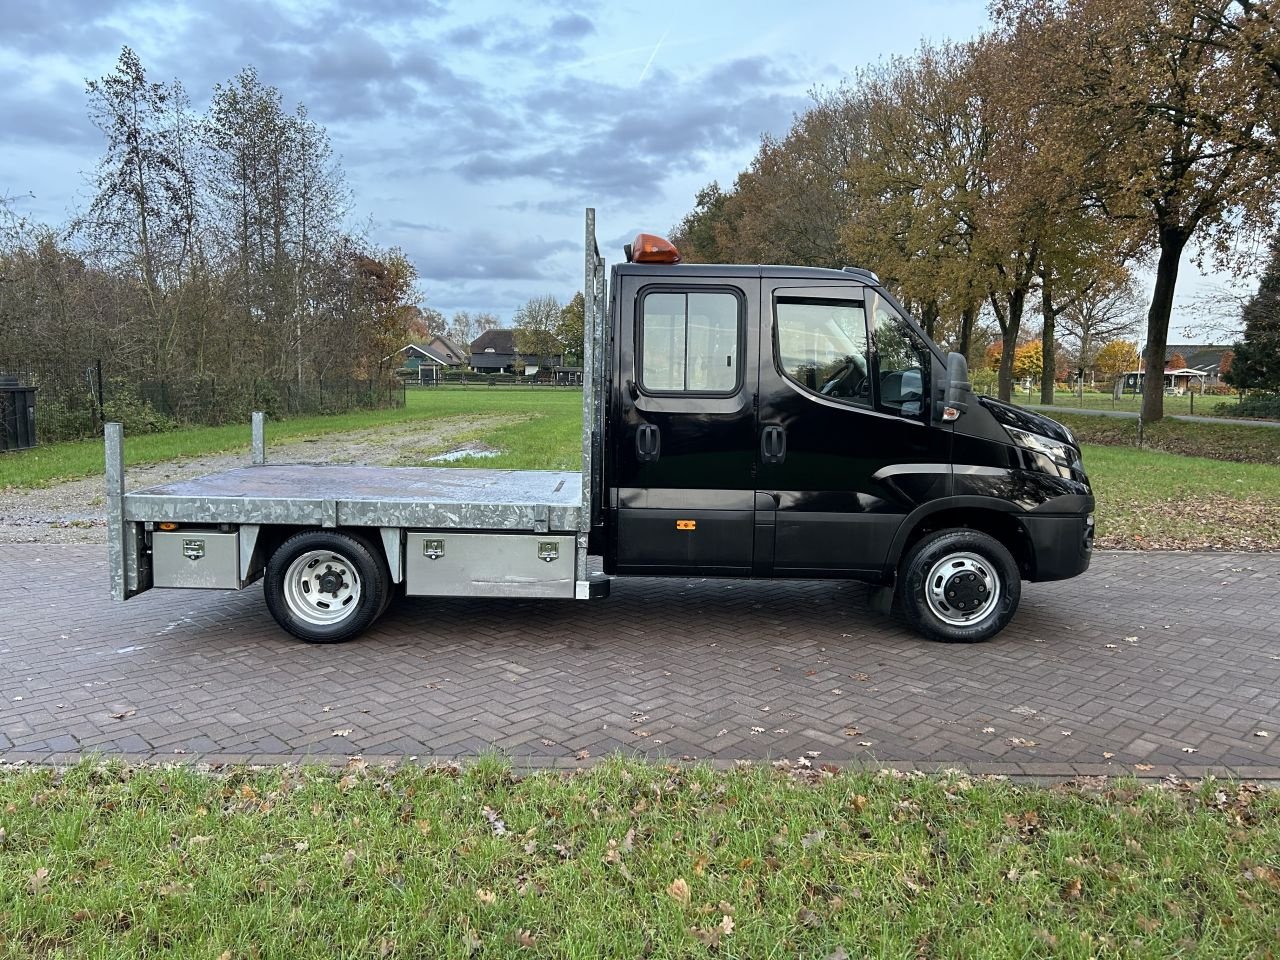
x=168, y=526
x=649, y=248
x=686, y=524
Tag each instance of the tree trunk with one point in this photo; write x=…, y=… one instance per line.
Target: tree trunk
x=1172, y=242
x=1049, y=365
x=1010, y=326
x=966, y=329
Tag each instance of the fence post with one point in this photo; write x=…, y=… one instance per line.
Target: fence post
x=259, y=438
x=102, y=420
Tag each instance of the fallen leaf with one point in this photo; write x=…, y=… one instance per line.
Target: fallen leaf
x=1190, y=750
x=722, y=733
x=813, y=753
x=526, y=938
x=726, y=925
x=1112, y=646
x=1261, y=733
x=988, y=729
x=1071, y=891
x=123, y=715
x=301, y=846
x=699, y=865
x=582, y=754
x=348, y=859
x=756, y=730
x=386, y=948
x=679, y=891
x=1020, y=742
x=865, y=743
x=548, y=743
x=487, y=897
x=807, y=918
x=640, y=733
x=1142, y=766
x=199, y=840
x=345, y=732
x=495, y=822
x=839, y=953
x=1106, y=755
x=38, y=880
x=809, y=839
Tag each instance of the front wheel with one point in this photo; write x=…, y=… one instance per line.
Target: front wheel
x=959, y=586
x=325, y=587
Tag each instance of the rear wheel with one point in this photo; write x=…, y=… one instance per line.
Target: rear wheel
x=959, y=586
x=326, y=587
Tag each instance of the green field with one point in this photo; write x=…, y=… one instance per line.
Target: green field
x=1201, y=406
x=627, y=860
x=552, y=410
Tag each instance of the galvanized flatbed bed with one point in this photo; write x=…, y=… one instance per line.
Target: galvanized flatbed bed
x=331, y=495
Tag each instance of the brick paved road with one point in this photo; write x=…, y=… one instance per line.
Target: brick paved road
x=707, y=669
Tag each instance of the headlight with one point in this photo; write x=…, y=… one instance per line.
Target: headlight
x=1060, y=453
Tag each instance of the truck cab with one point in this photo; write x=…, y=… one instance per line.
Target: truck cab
x=793, y=422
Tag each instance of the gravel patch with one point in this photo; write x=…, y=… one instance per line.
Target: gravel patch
x=75, y=512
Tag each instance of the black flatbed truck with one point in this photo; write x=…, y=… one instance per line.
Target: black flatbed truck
x=738, y=421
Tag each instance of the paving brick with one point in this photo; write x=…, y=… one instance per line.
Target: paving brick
x=209, y=674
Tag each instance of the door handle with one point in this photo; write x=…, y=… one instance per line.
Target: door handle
x=773, y=444
x=648, y=443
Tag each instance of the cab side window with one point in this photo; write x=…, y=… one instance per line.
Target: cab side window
x=822, y=346
x=902, y=365
x=689, y=342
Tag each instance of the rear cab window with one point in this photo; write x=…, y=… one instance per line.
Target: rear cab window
x=690, y=341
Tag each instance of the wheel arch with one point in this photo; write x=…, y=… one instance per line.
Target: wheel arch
x=994, y=517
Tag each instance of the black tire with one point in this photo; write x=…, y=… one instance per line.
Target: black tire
x=967, y=567
x=338, y=588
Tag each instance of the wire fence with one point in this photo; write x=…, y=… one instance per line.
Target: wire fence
x=72, y=401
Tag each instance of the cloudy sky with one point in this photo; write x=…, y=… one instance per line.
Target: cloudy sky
x=472, y=133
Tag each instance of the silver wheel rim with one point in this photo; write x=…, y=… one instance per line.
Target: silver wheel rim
x=940, y=594
x=322, y=588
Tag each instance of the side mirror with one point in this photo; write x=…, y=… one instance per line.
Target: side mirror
x=954, y=391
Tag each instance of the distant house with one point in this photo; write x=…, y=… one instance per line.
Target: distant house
x=428, y=360
x=494, y=351
x=1203, y=369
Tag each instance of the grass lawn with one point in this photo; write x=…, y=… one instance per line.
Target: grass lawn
x=627, y=860
x=1206, y=406
x=63, y=461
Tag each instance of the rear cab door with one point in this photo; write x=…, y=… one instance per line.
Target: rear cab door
x=682, y=412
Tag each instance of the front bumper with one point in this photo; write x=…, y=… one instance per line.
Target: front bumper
x=1061, y=547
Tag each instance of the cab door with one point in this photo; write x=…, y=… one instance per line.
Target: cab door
x=847, y=448
x=683, y=409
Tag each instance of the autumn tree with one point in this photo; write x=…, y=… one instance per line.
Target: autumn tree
x=1168, y=111
x=1116, y=358
x=1103, y=314
x=1028, y=361
x=569, y=330
x=535, y=326
x=143, y=214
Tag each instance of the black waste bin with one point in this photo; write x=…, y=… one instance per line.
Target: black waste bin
x=17, y=414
